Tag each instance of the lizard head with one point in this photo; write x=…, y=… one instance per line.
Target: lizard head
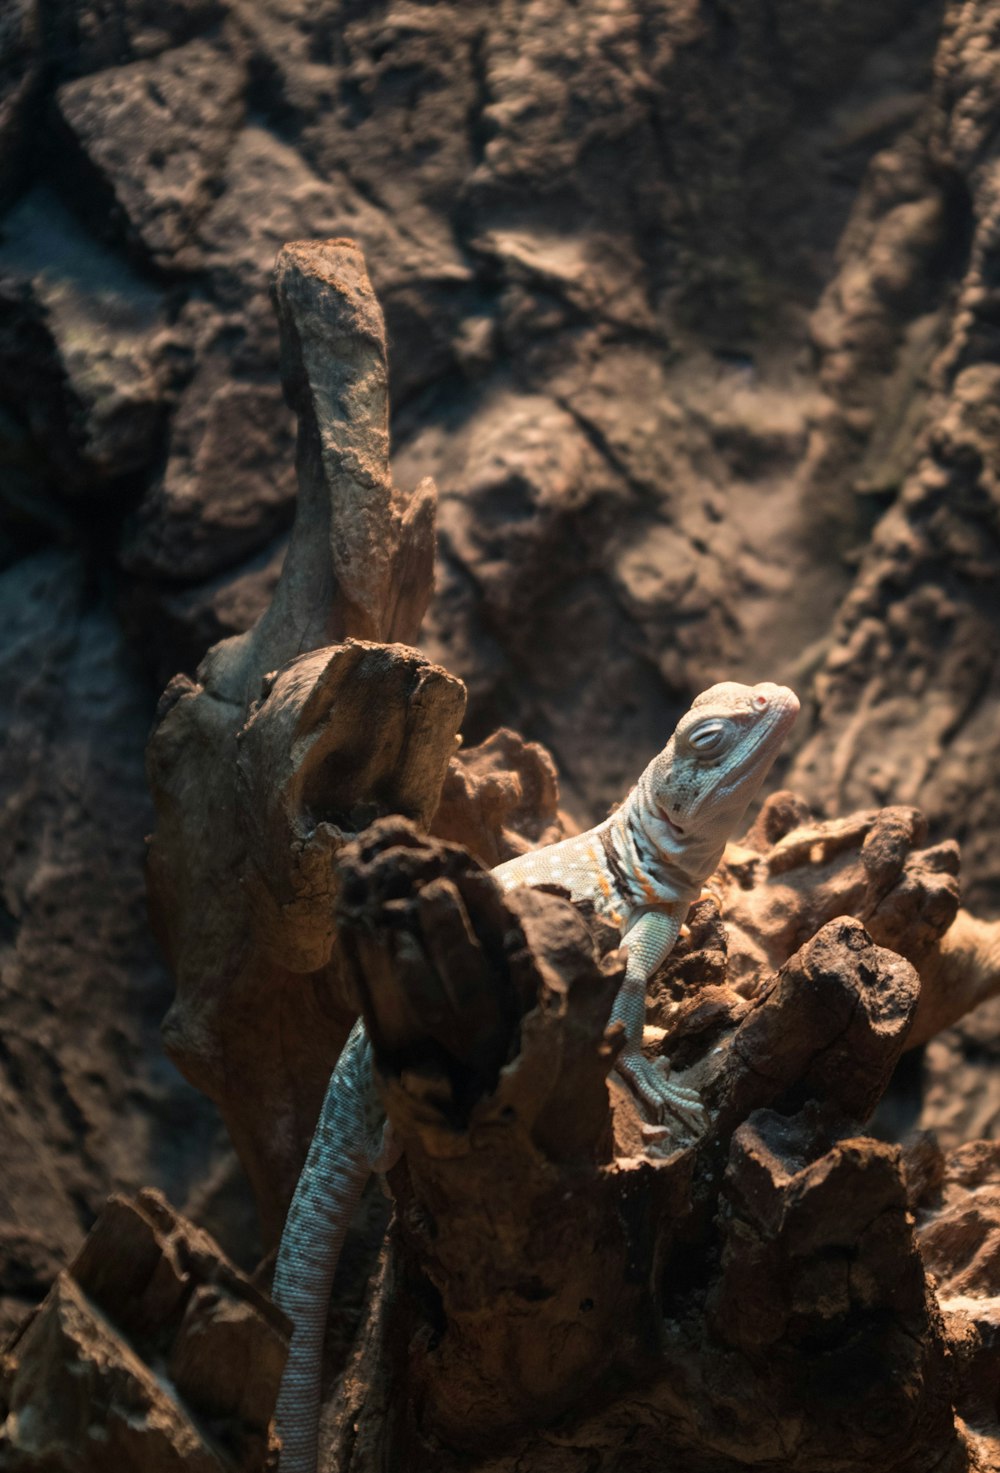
x=712, y=768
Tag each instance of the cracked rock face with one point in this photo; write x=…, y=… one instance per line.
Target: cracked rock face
x=149, y=139
x=597, y=238
x=699, y=349
x=157, y=1352
x=84, y=1081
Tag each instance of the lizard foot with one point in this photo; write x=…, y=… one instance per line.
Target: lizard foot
x=662, y=1097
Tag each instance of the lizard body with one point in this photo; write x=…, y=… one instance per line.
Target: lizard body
x=641, y=868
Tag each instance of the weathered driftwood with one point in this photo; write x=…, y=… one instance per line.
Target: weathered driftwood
x=288, y=734
x=793, y=873
x=551, y=1296
x=151, y=1351
x=500, y=798
x=296, y=734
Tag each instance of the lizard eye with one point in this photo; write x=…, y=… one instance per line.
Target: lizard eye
x=708, y=736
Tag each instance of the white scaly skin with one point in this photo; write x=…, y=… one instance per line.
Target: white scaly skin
x=642, y=868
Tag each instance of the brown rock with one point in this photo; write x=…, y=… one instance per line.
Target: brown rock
x=85, y=1094
x=271, y=194
x=409, y=150
x=20, y=74
x=450, y=974
x=187, y=621
x=910, y=645
x=221, y=495
x=778, y=890
x=960, y=1098
x=152, y=1352
x=822, y=1297
x=78, y=348
x=791, y=874
x=152, y=137
x=958, y=1231
x=80, y=1397
x=835, y=1021
x=87, y=40
x=499, y=798
x=528, y=512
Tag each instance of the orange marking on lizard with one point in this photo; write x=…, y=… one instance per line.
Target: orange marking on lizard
x=647, y=886
x=602, y=878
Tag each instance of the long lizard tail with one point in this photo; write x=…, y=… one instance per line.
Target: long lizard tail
x=339, y=1163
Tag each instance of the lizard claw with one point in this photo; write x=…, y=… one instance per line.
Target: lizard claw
x=679, y=1092
x=660, y=1096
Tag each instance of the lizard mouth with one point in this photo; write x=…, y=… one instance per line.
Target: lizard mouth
x=674, y=828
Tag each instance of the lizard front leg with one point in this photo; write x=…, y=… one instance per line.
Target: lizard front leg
x=349, y=1143
x=647, y=943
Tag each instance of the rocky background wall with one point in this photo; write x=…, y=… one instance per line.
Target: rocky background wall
x=693, y=316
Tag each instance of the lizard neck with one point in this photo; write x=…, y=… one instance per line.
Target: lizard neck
x=653, y=865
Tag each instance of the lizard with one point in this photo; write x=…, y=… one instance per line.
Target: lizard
x=642, y=868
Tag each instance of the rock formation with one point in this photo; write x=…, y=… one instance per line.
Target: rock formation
x=699, y=350
x=274, y=747
x=671, y=326
x=553, y=1291
x=763, y=1286
x=150, y=1351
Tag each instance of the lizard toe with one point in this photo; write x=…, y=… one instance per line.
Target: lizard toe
x=681, y=1093
x=663, y=1099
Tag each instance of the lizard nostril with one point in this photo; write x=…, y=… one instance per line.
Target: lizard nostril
x=760, y=702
